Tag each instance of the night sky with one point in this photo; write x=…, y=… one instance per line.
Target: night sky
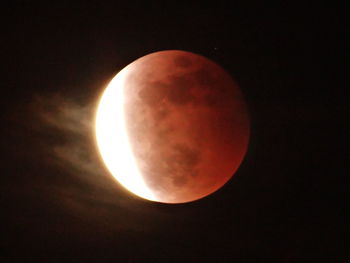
x=59, y=203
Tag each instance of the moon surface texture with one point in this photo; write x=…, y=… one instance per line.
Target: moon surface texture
x=172, y=127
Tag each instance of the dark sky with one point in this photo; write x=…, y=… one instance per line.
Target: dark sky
x=59, y=204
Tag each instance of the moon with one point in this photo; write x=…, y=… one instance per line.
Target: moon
x=172, y=127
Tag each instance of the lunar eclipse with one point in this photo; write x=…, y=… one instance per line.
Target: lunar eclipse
x=172, y=127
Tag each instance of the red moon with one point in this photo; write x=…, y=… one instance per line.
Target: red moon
x=187, y=124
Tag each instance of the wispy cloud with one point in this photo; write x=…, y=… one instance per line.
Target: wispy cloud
x=71, y=148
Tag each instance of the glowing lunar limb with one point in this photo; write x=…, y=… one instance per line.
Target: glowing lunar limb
x=113, y=141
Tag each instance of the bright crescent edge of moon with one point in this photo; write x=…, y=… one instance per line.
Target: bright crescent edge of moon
x=113, y=141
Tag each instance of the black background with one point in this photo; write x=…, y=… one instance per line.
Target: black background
x=284, y=203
